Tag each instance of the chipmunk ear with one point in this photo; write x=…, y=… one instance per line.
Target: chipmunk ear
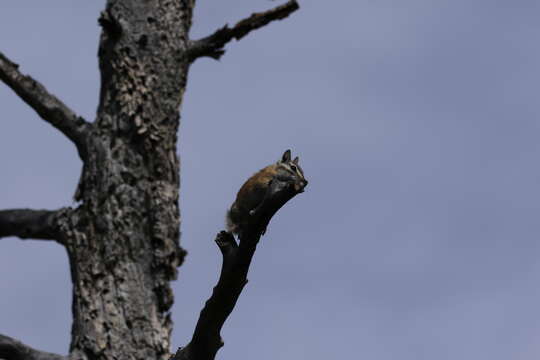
x=296, y=160
x=286, y=156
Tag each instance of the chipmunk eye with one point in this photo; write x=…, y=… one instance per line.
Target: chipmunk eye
x=293, y=168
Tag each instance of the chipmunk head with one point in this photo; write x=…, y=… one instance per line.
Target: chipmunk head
x=290, y=170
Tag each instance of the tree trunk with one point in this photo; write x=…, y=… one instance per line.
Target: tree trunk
x=123, y=241
x=123, y=238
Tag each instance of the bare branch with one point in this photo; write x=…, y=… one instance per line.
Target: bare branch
x=34, y=224
x=11, y=349
x=206, y=340
x=212, y=46
x=48, y=106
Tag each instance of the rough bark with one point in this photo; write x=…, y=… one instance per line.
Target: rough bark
x=123, y=238
x=123, y=244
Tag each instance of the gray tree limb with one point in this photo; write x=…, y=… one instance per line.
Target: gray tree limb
x=212, y=45
x=27, y=223
x=48, y=106
x=206, y=340
x=123, y=242
x=11, y=349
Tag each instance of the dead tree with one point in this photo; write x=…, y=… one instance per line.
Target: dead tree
x=123, y=238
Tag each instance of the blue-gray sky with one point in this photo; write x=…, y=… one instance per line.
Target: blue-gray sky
x=417, y=123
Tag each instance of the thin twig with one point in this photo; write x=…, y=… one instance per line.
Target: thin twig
x=212, y=46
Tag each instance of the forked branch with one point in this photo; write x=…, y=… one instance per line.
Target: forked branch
x=33, y=224
x=48, y=106
x=11, y=349
x=206, y=340
x=212, y=46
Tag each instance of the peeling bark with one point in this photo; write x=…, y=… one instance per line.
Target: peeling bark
x=124, y=244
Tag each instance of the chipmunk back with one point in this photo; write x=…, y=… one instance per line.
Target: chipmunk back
x=255, y=190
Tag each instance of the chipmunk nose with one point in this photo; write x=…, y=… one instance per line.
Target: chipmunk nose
x=300, y=185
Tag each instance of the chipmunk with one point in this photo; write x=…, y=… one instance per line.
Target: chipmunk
x=256, y=190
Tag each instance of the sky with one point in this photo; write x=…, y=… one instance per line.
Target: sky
x=417, y=125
